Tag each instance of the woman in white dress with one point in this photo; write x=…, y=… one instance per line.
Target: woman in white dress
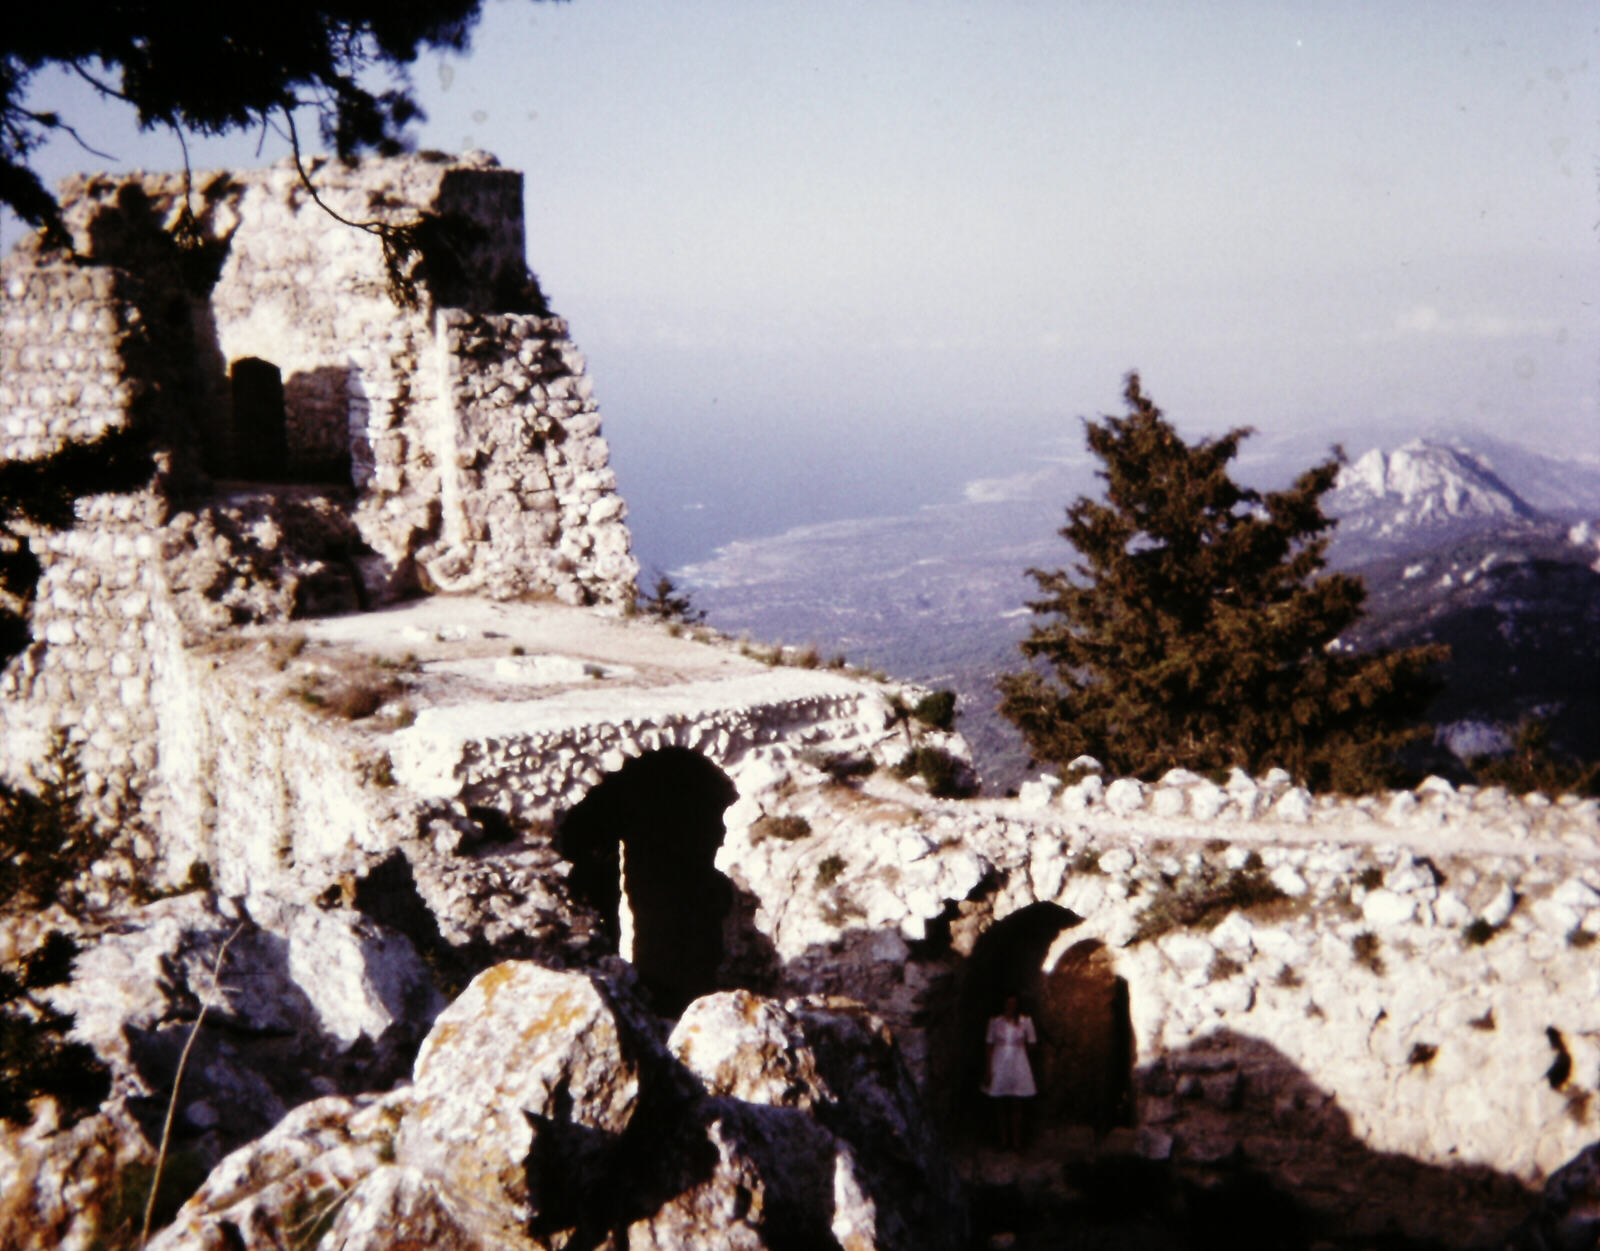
x=1009, y=1078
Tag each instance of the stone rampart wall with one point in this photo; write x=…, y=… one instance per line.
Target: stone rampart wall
x=89, y=670
x=529, y=501
x=64, y=342
x=1390, y=1004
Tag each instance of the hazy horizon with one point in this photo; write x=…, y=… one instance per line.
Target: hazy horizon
x=838, y=260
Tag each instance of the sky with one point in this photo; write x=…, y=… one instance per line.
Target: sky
x=834, y=259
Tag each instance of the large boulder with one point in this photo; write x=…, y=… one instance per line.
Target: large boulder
x=547, y=1110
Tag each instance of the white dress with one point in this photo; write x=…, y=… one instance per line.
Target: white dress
x=1009, y=1073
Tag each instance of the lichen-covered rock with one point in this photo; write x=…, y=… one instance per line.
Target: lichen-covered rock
x=745, y=1047
x=546, y=1108
x=280, y=1190
x=62, y=1187
x=526, y=1066
x=814, y=1112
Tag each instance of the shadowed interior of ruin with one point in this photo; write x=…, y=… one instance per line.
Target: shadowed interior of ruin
x=1084, y=1061
x=260, y=431
x=651, y=831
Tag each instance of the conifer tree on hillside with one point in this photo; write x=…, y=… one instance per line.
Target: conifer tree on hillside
x=1198, y=631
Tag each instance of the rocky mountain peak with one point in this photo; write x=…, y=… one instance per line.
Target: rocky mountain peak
x=1422, y=484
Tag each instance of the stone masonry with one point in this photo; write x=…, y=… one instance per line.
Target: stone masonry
x=318, y=446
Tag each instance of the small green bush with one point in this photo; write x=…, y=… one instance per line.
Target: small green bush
x=785, y=829
x=943, y=773
x=1422, y=1053
x=828, y=870
x=1364, y=947
x=1202, y=900
x=47, y=838
x=667, y=603
x=937, y=710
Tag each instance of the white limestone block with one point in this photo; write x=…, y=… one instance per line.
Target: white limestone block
x=1125, y=796
x=1295, y=806
x=1206, y=800
x=1287, y=879
x=1169, y=801
x=1385, y=908
x=1499, y=909
x=1187, y=951
x=1036, y=795
x=1117, y=860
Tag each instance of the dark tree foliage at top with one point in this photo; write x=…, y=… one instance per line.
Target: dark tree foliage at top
x=1198, y=631
x=210, y=68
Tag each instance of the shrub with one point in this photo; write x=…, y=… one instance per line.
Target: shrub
x=667, y=603
x=1364, y=947
x=47, y=839
x=1202, y=900
x=944, y=774
x=828, y=870
x=36, y=1056
x=937, y=710
x=784, y=829
x=1196, y=627
x=1534, y=765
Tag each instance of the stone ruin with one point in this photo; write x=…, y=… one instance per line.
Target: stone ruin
x=354, y=672
x=319, y=446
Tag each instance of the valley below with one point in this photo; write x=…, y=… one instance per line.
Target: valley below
x=1444, y=532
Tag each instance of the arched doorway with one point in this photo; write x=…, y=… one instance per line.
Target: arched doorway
x=260, y=427
x=1080, y=1009
x=642, y=845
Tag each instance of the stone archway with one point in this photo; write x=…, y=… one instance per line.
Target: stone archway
x=642, y=845
x=1079, y=1006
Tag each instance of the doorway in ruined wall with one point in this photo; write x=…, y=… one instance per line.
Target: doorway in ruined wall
x=1079, y=1007
x=642, y=845
x=260, y=443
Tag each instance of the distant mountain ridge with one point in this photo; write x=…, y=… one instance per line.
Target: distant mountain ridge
x=1460, y=536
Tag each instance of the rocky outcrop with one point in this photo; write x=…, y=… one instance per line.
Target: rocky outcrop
x=545, y=1107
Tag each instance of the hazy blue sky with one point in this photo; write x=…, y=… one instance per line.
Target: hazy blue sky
x=830, y=259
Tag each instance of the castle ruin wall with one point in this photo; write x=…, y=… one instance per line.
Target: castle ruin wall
x=451, y=445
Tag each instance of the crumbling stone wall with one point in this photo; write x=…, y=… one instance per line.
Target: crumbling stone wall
x=1388, y=1004
x=452, y=445
x=64, y=357
x=527, y=497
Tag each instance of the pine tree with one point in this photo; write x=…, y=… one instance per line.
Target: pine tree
x=1200, y=633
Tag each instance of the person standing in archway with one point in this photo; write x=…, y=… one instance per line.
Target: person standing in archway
x=1009, y=1082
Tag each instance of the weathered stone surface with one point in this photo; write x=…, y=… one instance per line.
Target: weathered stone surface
x=62, y=1188
x=544, y=1107
x=527, y=1060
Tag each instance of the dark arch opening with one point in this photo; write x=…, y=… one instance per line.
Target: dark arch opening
x=649, y=833
x=1080, y=1011
x=260, y=426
